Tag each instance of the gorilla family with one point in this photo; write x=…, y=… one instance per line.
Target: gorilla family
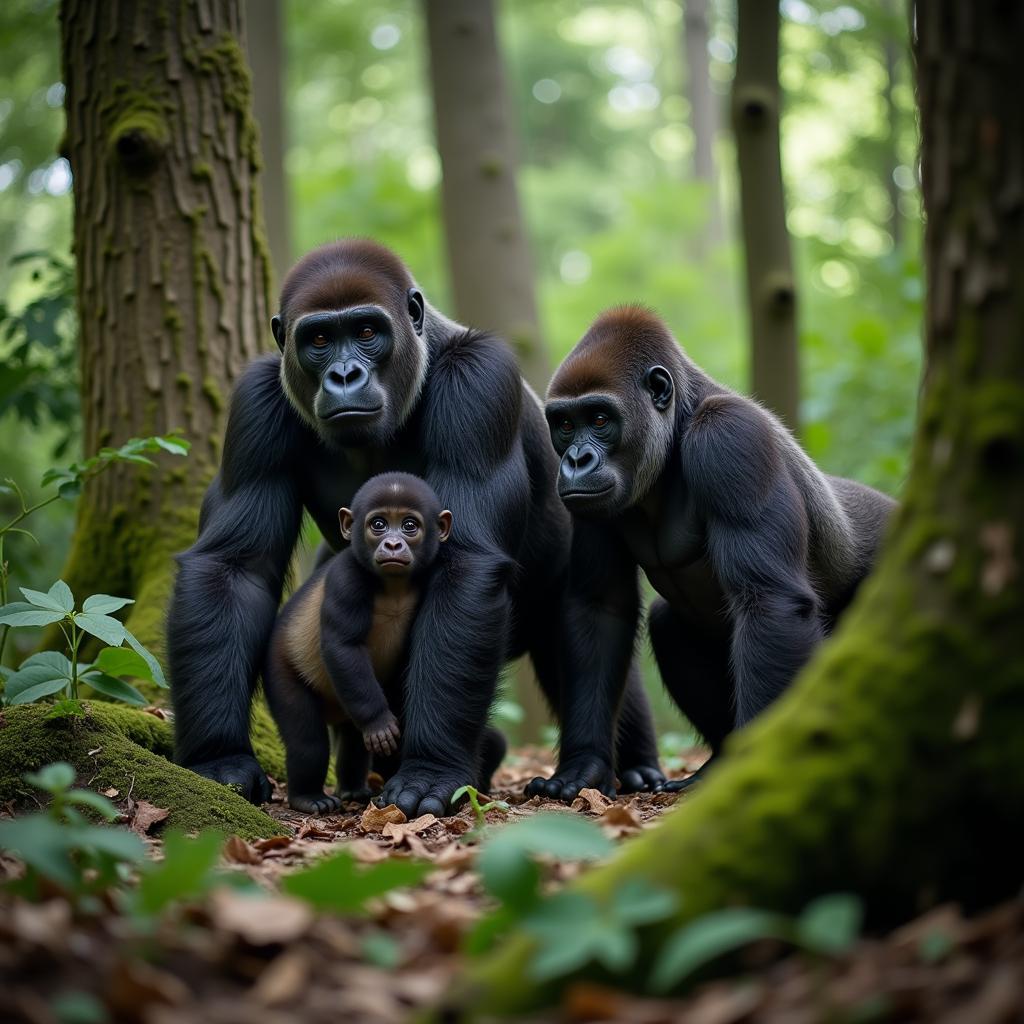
x=372, y=378
x=753, y=550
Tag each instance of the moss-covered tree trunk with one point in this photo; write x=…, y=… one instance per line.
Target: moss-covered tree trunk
x=771, y=290
x=172, y=271
x=704, y=110
x=895, y=766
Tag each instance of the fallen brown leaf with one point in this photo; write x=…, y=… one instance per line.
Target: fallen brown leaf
x=273, y=843
x=398, y=832
x=619, y=820
x=591, y=800
x=146, y=816
x=366, y=851
x=375, y=818
x=283, y=980
x=237, y=850
x=134, y=985
x=110, y=792
x=260, y=920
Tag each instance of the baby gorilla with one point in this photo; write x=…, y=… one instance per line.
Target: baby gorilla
x=339, y=648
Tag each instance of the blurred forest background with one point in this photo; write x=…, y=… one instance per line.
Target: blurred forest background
x=627, y=186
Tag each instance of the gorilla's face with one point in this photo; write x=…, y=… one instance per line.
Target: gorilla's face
x=612, y=445
x=353, y=373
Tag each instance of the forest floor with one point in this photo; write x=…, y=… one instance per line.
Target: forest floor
x=227, y=958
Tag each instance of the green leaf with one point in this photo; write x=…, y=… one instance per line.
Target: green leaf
x=156, y=673
x=830, y=924
x=566, y=836
x=41, y=600
x=44, y=845
x=61, y=593
x=103, y=604
x=638, y=902
x=121, y=661
x=709, y=937
x=111, y=686
x=381, y=950
x=109, y=630
x=53, y=778
x=78, y=1008
x=70, y=490
x=18, y=613
x=43, y=688
x=116, y=842
x=173, y=444
x=339, y=885
x=95, y=801
x=185, y=872
x=510, y=875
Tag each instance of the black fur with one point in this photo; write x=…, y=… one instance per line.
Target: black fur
x=458, y=415
x=753, y=551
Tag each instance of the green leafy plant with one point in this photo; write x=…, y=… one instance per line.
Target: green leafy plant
x=341, y=885
x=828, y=926
x=479, y=810
x=62, y=848
x=69, y=482
x=50, y=672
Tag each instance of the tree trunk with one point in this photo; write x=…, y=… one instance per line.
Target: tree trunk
x=894, y=767
x=265, y=46
x=172, y=270
x=890, y=58
x=703, y=108
x=491, y=272
x=771, y=290
x=488, y=254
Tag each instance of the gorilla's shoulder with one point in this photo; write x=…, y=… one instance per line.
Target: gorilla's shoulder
x=474, y=395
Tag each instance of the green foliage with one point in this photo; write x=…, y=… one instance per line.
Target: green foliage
x=62, y=847
x=186, y=872
x=39, y=369
x=479, y=810
x=50, y=672
x=340, y=884
x=828, y=926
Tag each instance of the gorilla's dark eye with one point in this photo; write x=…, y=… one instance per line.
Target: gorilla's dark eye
x=410, y=526
x=565, y=426
x=378, y=524
x=320, y=340
x=366, y=332
x=600, y=420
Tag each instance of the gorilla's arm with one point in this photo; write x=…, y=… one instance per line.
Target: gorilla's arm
x=602, y=612
x=460, y=636
x=229, y=584
x=757, y=541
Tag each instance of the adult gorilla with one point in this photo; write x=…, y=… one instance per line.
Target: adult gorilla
x=372, y=378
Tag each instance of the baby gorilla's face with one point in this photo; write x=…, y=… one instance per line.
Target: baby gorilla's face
x=394, y=539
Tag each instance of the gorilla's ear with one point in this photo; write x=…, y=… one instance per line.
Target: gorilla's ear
x=278, y=329
x=658, y=382
x=416, y=309
x=345, y=523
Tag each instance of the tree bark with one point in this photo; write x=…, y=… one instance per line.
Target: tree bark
x=704, y=112
x=894, y=766
x=890, y=56
x=488, y=253
x=265, y=47
x=771, y=289
x=172, y=270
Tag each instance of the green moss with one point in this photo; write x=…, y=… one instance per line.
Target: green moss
x=183, y=381
x=213, y=394
x=201, y=170
x=126, y=749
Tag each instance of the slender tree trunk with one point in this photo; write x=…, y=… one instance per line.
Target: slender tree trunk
x=488, y=252
x=172, y=270
x=704, y=108
x=894, y=767
x=771, y=290
x=893, y=119
x=491, y=271
x=265, y=46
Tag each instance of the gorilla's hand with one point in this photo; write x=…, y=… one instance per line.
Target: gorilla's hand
x=641, y=778
x=239, y=770
x=420, y=787
x=584, y=772
x=381, y=735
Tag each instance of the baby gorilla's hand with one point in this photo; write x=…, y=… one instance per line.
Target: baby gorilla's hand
x=381, y=735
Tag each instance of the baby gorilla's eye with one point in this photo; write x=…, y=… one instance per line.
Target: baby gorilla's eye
x=366, y=332
x=378, y=524
x=410, y=526
x=320, y=340
x=600, y=420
